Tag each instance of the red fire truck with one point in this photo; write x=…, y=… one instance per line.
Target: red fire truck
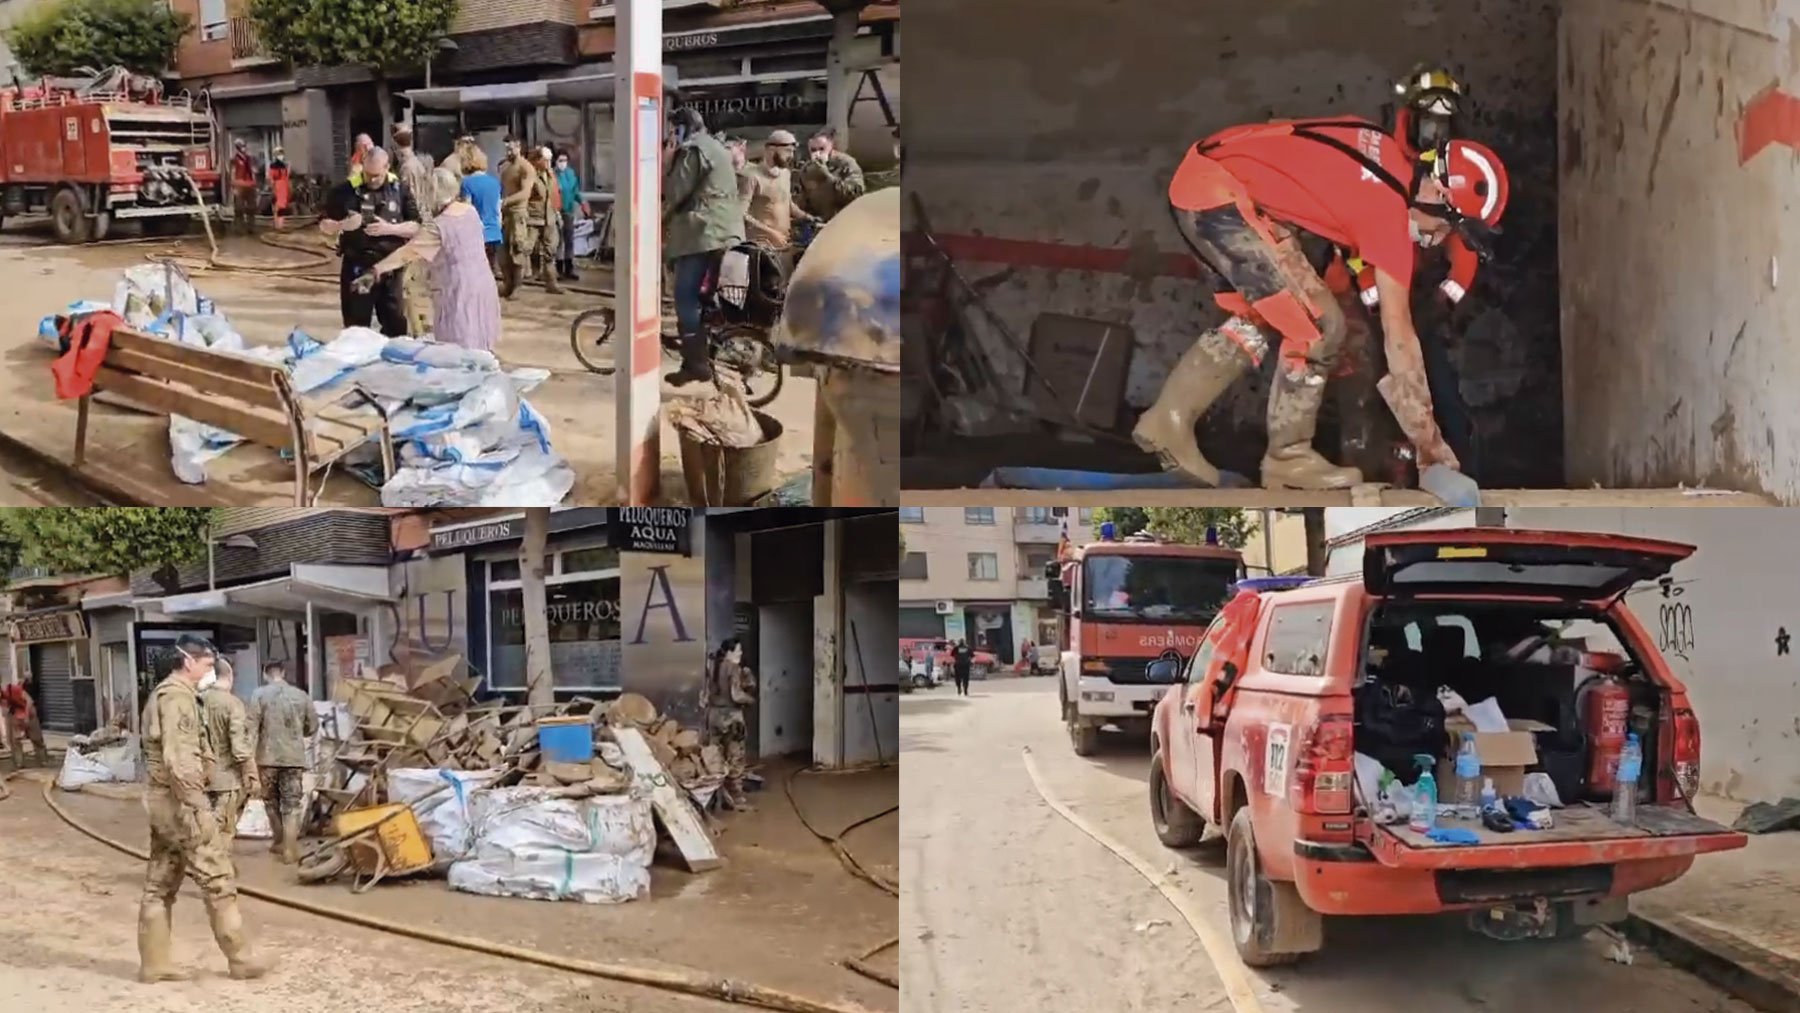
x=112, y=146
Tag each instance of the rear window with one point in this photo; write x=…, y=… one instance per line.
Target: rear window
x=1298, y=636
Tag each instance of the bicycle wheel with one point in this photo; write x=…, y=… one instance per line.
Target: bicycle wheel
x=745, y=349
x=591, y=349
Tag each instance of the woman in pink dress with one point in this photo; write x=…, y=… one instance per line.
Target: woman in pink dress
x=465, y=300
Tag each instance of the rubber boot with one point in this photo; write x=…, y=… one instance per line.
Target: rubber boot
x=694, y=366
x=1291, y=462
x=1167, y=428
x=290, y=843
x=228, y=931
x=275, y=828
x=155, y=962
x=549, y=275
x=509, y=276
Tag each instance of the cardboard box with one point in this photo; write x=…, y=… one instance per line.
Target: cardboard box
x=1505, y=756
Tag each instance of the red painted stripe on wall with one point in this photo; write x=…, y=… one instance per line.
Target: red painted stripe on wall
x=1054, y=256
x=1772, y=117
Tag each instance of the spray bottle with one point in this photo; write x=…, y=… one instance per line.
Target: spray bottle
x=1425, y=796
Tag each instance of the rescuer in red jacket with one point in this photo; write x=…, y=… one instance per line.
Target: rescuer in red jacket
x=1241, y=198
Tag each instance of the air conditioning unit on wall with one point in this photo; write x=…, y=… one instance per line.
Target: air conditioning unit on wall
x=944, y=608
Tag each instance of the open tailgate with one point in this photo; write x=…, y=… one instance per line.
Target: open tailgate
x=1565, y=565
x=1583, y=835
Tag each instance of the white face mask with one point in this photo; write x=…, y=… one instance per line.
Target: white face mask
x=207, y=680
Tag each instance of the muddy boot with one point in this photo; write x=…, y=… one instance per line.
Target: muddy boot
x=228, y=930
x=1167, y=428
x=549, y=277
x=509, y=276
x=695, y=368
x=155, y=961
x=1291, y=462
x=275, y=829
x=290, y=843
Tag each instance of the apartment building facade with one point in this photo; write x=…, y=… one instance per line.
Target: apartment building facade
x=977, y=573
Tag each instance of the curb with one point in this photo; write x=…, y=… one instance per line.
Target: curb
x=112, y=495
x=1762, y=979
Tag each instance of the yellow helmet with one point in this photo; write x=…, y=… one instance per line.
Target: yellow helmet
x=1430, y=98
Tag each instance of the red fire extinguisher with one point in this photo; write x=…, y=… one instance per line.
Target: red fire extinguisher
x=1605, y=713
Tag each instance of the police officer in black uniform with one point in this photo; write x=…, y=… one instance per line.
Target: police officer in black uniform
x=372, y=214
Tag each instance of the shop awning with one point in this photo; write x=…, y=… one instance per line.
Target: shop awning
x=330, y=587
x=520, y=94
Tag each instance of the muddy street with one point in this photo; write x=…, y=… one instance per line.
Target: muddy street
x=1011, y=906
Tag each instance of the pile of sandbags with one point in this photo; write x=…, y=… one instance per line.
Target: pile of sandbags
x=532, y=842
x=106, y=756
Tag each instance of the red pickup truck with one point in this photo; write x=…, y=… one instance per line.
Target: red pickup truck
x=1260, y=742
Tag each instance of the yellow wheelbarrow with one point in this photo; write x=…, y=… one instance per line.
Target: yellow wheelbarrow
x=374, y=842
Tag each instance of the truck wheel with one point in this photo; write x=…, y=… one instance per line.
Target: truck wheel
x=1270, y=924
x=1083, y=735
x=1176, y=825
x=102, y=225
x=68, y=220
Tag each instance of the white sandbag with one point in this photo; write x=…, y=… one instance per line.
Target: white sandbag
x=253, y=824
x=529, y=843
x=121, y=759
x=192, y=445
x=445, y=817
x=78, y=770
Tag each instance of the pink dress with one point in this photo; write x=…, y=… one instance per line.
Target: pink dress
x=464, y=298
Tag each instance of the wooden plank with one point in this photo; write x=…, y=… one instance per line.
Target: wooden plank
x=265, y=427
x=679, y=817
x=1578, y=823
x=162, y=367
x=230, y=364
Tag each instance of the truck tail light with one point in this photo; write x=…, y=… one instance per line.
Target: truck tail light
x=1095, y=668
x=1324, y=767
x=1687, y=752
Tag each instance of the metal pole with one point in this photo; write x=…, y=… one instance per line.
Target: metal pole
x=637, y=139
x=1268, y=519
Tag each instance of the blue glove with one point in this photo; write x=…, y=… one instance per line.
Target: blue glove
x=1454, y=835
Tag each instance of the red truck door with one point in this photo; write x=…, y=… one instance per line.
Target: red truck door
x=1207, y=698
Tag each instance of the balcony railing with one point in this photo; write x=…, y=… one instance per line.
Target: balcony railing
x=1033, y=587
x=245, y=45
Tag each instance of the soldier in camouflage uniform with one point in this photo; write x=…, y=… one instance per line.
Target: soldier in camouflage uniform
x=281, y=721
x=233, y=779
x=184, y=835
x=828, y=180
x=543, y=215
x=517, y=183
x=733, y=688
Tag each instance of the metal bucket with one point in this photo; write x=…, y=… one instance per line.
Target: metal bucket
x=731, y=476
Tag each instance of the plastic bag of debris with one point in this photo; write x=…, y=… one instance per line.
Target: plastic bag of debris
x=149, y=291
x=445, y=816
x=718, y=414
x=535, y=477
x=530, y=843
x=111, y=763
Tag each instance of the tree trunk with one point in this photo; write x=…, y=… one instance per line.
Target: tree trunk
x=1315, y=541
x=384, y=97
x=538, y=687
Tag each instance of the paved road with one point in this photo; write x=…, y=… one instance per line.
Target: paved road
x=1008, y=906
x=25, y=483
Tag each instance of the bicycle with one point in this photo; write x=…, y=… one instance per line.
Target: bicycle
x=736, y=320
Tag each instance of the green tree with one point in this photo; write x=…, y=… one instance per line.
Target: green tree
x=1186, y=525
x=386, y=37
x=64, y=37
x=114, y=540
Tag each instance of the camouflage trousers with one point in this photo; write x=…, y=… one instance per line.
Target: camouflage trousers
x=730, y=734
x=521, y=238
x=228, y=806
x=185, y=843
x=284, y=793
x=415, y=289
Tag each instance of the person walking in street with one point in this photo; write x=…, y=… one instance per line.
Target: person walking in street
x=233, y=778
x=517, y=186
x=543, y=212
x=19, y=705
x=281, y=187
x=414, y=170
x=373, y=215
x=281, y=721
x=482, y=191
x=1028, y=654
x=830, y=179
x=733, y=688
x=961, y=658
x=185, y=842
x=702, y=218
x=464, y=299
x=243, y=187
x=570, y=189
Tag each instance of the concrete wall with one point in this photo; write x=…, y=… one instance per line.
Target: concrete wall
x=1677, y=312
x=663, y=610
x=1060, y=122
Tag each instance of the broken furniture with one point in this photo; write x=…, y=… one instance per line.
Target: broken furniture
x=241, y=394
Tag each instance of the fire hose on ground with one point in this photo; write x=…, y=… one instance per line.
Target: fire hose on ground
x=690, y=982
x=858, y=963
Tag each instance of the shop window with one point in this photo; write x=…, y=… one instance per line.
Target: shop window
x=792, y=64
x=588, y=560
x=913, y=566
x=581, y=611
x=984, y=566
x=503, y=569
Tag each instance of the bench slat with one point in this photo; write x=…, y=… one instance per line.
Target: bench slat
x=198, y=376
x=267, y=426
x=231, y=364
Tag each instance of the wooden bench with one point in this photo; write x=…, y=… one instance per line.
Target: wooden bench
x=240, y=394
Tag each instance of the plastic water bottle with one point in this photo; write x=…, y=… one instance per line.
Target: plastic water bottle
x=1631, y=766
x=1489, y=797
x=1468, y=772
x=1425, y=797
